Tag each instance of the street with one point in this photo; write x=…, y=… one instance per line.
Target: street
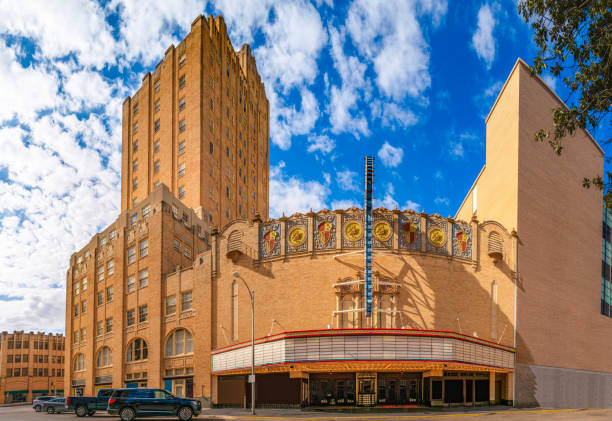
x=26, y=413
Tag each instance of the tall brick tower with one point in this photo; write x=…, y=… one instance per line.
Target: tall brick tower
x=200, y=125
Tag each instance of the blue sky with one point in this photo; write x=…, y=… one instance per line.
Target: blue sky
x=409, y=82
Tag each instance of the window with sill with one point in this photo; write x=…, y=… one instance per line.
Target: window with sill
x=137, y=351
x=180, y=342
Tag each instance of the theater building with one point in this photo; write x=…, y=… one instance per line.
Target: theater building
x=507, y=302
x=31, y=365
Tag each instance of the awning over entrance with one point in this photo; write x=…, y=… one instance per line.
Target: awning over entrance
x=362, y=345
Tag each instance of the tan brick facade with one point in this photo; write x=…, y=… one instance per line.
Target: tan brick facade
x=31, y=365
x=200, y=125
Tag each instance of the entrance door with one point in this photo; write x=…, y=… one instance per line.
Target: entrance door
x=366, y=394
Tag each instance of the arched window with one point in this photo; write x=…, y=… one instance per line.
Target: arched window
x=179, y=342
x=79, y=363
x=137, y=350
x=105, y=357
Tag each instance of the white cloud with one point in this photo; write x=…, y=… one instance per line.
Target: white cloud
x=290, y=194
x=412, y=205
x=321, y=143
x=287, y=121
x=393, y=115
x=442, y=201
x=87, y=88
x=483, y=41
x=390, y=36
x=390, y=156
x=457, y=149
x=347, y=180
x=494, y=89
x=345, y=204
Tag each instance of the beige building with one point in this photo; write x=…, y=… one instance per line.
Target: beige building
x=31, y=365
x=499, y=304
x=200, y=125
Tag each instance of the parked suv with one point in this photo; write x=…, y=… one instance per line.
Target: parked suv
x=144, y=402
x=37, y=402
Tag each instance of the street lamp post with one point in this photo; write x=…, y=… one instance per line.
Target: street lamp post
x=252, y=295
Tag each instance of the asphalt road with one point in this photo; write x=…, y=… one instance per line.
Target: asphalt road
x=26, y=413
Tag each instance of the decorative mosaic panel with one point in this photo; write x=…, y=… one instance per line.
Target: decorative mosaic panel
x=410, y=232
x=269, y=241
x=353, y=230
x=462, y=241
x=382, y=230
x=437, y=233
x=296, y=236
x=324, y=232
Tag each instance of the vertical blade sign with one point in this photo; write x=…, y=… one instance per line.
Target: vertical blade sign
x=369, y=179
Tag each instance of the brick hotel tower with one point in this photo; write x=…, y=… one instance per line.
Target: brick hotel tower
x=199, y=125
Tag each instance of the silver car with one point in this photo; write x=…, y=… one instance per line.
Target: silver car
x=55, y=406
x=38, y=402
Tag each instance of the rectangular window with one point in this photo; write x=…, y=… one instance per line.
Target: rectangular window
x=182, y=60
x=135, y=184
x=109, y=294
x=102, y=241
x=99, y=328
x=157, y=105
x=143, y=278
x=211, y=126
x=181, y=148
x=210, y=192
x=186, y=301
x=84, y=282
x=182, y=82
x=76, y=310
x=130, y=317
x=77, y=288
x=145, y=211
x=210, y=148
x=171, y=304
x=227, y=191
x=131, y=284
x=144, y=248
x=187, y=251
x=135, y=165
x=181, y=170
x=101, y=273
x=135, y=128
x=181, y=192
x=177, y=245
x=109, y=325
x=100, y=298
x=83, y=307
x=75, y=337
x=143, y=313
x=182, y=126
x=156, y=125
x=131, y=255
x=135, y=146
x=112, y=235
x=83, y=335
x=182, y=104
x=156, y=166
x=156, y=146
x=156, y=85
x=110, y=267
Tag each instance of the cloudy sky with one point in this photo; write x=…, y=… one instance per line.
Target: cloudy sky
x=408, y=81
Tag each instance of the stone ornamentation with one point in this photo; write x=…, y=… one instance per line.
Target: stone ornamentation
x=462, y=241
x=410, y=232
x=269, y=241
x=296, y=232
x=324, y=232
x=382, y=230
x=436, y=236
x=352, y=230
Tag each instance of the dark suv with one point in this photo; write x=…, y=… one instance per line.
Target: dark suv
x=142, y=402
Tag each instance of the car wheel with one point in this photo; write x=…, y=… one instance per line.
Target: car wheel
x=50, y=410
x=127, y=414
x=81, y=411
x=37, y=408
x=185, y=413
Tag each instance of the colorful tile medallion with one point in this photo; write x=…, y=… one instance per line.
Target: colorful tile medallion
x=296, y=231
x=382, y=231
x=324, y=232
x=353, y=230
x=437, y=236
x=410, y=232
x=462, y=241
x=269, y=241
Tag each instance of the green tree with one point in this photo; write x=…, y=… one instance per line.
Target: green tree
x=574, y=38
